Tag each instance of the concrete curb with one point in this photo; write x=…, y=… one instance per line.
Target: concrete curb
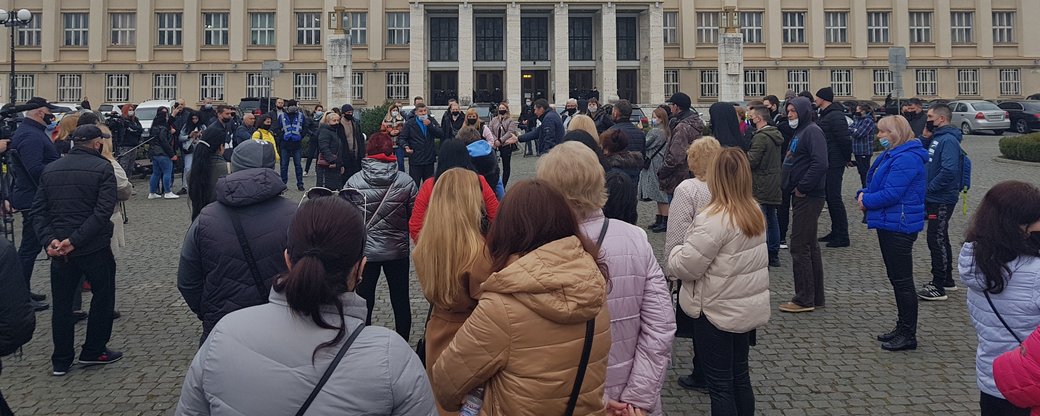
x=1000, y=159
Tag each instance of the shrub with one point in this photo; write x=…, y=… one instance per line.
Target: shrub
x=1025, y=147
x=371, y=118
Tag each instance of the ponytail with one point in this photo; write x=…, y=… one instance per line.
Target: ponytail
x=200, y=192
x=307, y=288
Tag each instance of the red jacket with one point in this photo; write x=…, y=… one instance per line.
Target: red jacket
x=422, y=200
x=1017, y=373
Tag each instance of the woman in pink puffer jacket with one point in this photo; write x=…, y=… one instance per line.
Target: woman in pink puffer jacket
x=642, y=320
x=1017, y=373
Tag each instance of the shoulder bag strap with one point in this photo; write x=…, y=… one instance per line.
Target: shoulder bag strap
x=248, y=252
x=602, y=232
x=328, y=371
x=1001, y=318
x=375, y=214
x=590, y=329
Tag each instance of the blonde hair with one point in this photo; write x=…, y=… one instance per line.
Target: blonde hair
x=899, y=129
x=480, y=123
x=585, y=123
x=327, y=118
x=67, y=125
x=700, y=154
x=450, y=240
x=106, y=144
x=729, y=180
x=574, y=170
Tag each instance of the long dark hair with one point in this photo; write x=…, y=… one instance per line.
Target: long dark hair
x=199, y=189
x=724, y=124
x=326, y=240
x=996, y=230
x=622, y=197
x=453, y=154
x=519, y=230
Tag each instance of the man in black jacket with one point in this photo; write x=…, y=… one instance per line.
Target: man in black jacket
x=917, y=118
x=72, y=211
x=835, y=128
x=621, y=114
x=17, y=319
x=417, y=140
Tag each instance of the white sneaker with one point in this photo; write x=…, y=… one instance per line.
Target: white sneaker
x=783, y=246
x=170, y=195
x=154, y=196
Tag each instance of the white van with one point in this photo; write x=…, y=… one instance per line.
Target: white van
x=146, y=111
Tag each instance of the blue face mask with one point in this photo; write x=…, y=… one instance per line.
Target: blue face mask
x=885, y=143
x=654, y=122
x=53, y=125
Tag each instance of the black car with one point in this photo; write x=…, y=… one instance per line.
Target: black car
x=256, y=105
x=1025, y=115
x=1033, y=97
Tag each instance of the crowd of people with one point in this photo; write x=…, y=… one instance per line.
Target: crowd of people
x=563, y=309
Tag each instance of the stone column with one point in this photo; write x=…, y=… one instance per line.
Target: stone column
x=687, y=27
x=731, y=67
x=655, y=88
x=815, y=31
x=513, y=86
x=285, y=30
x=190, y=34
x=858, y=28
x=561, y=64
x=417, y=51
x=465, y=54
x=237, y=31
x=983, y=28
x=96, y=36
x=941, y=29
x=899, y=26
x=376, y=30
x=338, y=79
x=1027, y=9
x=144, y=30
x=774, y=33
x=608, y=58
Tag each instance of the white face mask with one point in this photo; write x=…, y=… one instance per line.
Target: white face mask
x=793, y=123
x=592, y=108
x=395, y=113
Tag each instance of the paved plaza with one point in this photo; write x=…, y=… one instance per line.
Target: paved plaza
x=821, y=363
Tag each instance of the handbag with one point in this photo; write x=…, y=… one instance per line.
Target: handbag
x=261, y=287
x=328, y=371
x=420, y=347
x=322, y=163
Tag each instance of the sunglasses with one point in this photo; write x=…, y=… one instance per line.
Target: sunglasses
x=351, y=195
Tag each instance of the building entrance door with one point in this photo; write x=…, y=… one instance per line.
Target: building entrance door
x=488, y=87
x=534, y=84
x=581, y=84
x=628, y=84
x=443, y=86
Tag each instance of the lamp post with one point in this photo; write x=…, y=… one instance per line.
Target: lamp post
x=14, y=20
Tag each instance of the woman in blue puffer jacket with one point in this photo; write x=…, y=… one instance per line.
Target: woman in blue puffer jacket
x=894, y=203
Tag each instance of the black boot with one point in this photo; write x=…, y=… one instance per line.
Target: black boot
x=903, y=341
x=662, y=226
x=890, y=335
x=657, y=222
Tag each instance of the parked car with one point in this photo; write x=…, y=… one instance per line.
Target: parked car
x=1034, y=97
x=1025, y=115
x=146, y=111
x=256, y=105
x=109, y=107
x=976, y=115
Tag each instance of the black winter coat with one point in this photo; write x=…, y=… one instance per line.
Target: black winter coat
x=388, y=228
x=17, y=319
x=423, y=150
x=836, y=129
x=161, y=143
x=76, y=199
x=636, y=137
x=329, y=144
x=214, y=276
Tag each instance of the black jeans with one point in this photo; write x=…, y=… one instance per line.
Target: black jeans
x=329, y=178
x=897, y=252
x=863, y=166
x=995, y=406
x=806, y=260
x=725, y=364
x=783, y=216
x=30, y=247
x=836, y=205
x=939, y=243
x=506, y=159
x=100, y=269
x=420, y=173
x=397, y=279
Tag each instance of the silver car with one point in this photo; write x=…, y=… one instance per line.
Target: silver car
x=972, y=116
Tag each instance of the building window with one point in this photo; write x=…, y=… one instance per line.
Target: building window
x=926, y=82
x=709, y=83
x=798, y=79
x=754, y=83
x=305, y=86
x=708, y=28
x=169, y=28
x=164, y=87
x=1003, y=27
x=117, y=88
x=490, y=38
x=627, y=39
x=882, y=82
x=70, y=87
x=671, y=82
x=751, y=25
x=29, y=35
x=216, y=29
x=357, y=86
x=76, y=27
x=968, y=82
x=841, y=82
x=211, y=87
x=534, y=39
x=124, y=29
x=1010, y=82
x=257, y=85
x=444, y=39
x=877, y=27
x=398, y=28
x=671, y=28
x=837, y=27
x=24, y=87
x=961, y=27
x=794, y=27
x=580, y=43
x=308, y=28
x=261, y=29
x=920, y=27
x=397, y=85
x=357, y=25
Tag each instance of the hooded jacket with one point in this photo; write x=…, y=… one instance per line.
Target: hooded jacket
x=486, y=162
x=725, y=126
x=835, y=128
x=944, y=166
x=764, y=155
x=675, y=170
x=805, y=167
x=524, y=340
x=389, y=197
x=894, y=196
x=17, y=318
x=214, y=276
x=258, y=361
x=1017, y=373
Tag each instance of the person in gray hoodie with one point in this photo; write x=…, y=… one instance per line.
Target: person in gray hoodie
x=217, y=274
x=270, y=359
x=804, y=175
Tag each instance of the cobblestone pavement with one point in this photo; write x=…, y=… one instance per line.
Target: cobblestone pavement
x=821, y=363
